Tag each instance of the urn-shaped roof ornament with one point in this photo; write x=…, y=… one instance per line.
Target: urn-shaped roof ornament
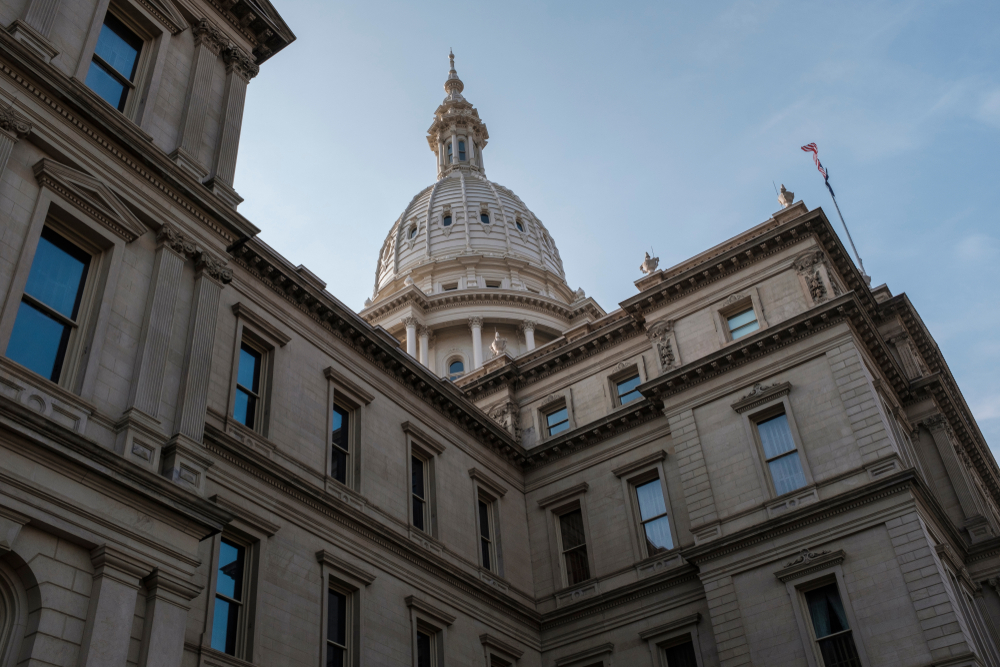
x=649, y=264
x=786, y=197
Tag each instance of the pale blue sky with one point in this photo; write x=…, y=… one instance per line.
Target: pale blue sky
x=632, y=125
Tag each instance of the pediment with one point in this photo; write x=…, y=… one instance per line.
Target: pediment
x=166, y=12
x=91, y=196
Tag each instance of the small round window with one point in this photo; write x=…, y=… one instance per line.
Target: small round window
x=484, y=218
x=446, y=221
x=455, y=370
x=413, y=232
x=519, y=226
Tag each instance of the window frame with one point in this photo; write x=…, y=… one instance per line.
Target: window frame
x=83, y=354
x=555, y=506
x=451, y=360
x=735, y=304
x=263, y=394
x=635, y=474
x=488, y=491
x=623, y=373
x=429, y=620
x=421, y=446
x=245, y=641
x=768, y=403
x=352, y=581
x=343, y=392
x=554, y=403
x=670, y=634
x=267, y=339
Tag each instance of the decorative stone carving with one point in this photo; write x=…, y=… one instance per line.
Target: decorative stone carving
x=527, y=325
x=410, y=322
x=757, y=390
x=649, y=264
x=913, y=365
x=475, y=322
x=171, y=237
x=579, y=295
x=408, y=281
x=733, y=299
x=424, y=331
x=805, y=556
x=240, y=62
x=508, y=416
x=499, y=344
x=207, y=35
x=786, y=197
x=213, y=267
x=662, y=336
x=814, y=273
x=13, y=123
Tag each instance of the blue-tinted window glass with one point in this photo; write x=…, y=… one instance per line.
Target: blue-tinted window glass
x=826, y=611
x=776, y=436
x=108, y=87
x=627, y=392
x=557, y=421
x=225, y=625
x=650, y=497
x=450, y=160
x=228, y=596
x=446, y=221
x=119, y=47
x=37, y=342
x=456, y=369
x=519, y=226
x=341, y=443
x=743, y=323
x=249, y=372
x=57, y=274
x=653, y=515
x=484, y=218
x=461, y=151
x=419, y=499
x=247, y=386
x=787, y=473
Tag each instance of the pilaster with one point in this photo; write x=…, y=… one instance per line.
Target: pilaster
x=113, y=594
x=11, y=523
x=167, y=604
x=13, y=127
x=240, y=68
x=695, y=482
x=34, y=29
x=208, y=43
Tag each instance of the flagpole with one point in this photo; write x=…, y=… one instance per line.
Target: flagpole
x=861, y=264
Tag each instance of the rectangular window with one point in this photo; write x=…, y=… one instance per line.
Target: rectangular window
x=781, y=455
x=340, y=440
x=493, y=284
x=461, y=151
x=229, y=619
x=830, y=627
x=557, y=421
x=742, y=323
x=115, y=62
x=574, y=547
x=627, y=390
x=450, y=158
x=248, y=395
x=449, y=287
x=425, y=649
x=487, y=542
x=49, y=313
x=653, y=517
x=337, y=630
x=681, y=655
x=419, y=493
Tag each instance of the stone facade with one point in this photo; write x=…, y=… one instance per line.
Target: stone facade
x=591, y=488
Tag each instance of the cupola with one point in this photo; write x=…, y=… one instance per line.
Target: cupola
x=457, y=136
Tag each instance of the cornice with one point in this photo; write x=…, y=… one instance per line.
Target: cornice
x=119, y=137
x=258, y=22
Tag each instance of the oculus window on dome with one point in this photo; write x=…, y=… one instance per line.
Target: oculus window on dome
x=484, y=218
x=446, y=221
x=115, y=62
x=520, y=227
x=413, y=232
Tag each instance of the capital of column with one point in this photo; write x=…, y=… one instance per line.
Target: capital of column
x=935, y=422
x=527, y=325
x=423, y=331
x=176, y=240
x=475, y=323
x=207, y=35
x=118, y=565
x=410, y=322
x=240, y=62
x=212, y=266
x=182, y=591
x=14, y=123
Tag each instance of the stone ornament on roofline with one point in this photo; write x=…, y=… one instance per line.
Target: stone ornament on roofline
x=499, y=344
x=649, y=264
x=786, y=198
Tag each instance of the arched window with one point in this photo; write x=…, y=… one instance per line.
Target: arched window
x=484, y=218
x=461, y=151
x=449, y=153
x=520, y=227
x=456, y=369
x=446, y=221
x=413, y=232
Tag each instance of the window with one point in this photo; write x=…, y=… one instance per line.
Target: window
x=574, y=547
x=337, y=629
x=520, y=227
x=494, y=284
x=557, y=421
x=487, y=543
x=413, y=232
x=446, y=221
x=484, y=218
x=653, y=517
x=627, y=391
x=450, y=158
x=115, y=62
x=420, y=484
x=229, y=619
x=681, y=654
x=781, y=454
x=340, y=443
x=461, y=151
x=246, y=408
x=449, y=287
x=49, y=315
x=831, y=630
x=456, y=369
x=742, y=323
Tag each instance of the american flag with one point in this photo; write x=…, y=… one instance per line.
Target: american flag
x=811, y=148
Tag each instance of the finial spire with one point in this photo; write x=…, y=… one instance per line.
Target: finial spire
x=453, y=86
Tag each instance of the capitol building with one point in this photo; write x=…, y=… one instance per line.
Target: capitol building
x=208, y=460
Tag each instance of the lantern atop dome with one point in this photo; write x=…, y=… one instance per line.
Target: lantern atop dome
x=457, y=136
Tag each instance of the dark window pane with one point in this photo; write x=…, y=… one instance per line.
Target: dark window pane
x=423, y=650
x=57, y=274
x=577, y=569
x=571, y=526
x=341, y=427
x=681, y=655
x=225, y=624
x=335, y=656
x=456, y=369
x=418, y=513
x=418, y=477
x=650, y=497
x=461, y=151
x=446, y=221
x=484, y=218
x=338, y=466
x=248, y=374
x=119, y=46
x=245, y=409
x=108, y=87
x=336, y=627
x=776, y=436
x=450, y=159
x=839, y=651
x=38, y=342
x=485, y=547
x=826, y=611
x=519, y=226
x=484, y=519
x=230, y=579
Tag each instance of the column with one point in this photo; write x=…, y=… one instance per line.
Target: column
x=13, y=127
x=167, y=604
x=147, y=378
x=35, y=28
x=441, y=157
x=208, y=43
x=976, y=521
x=528, y=327
x=454, y=145
x=192, y=398
x=424, y=333
x=476, y=325
x=240, y=68
x=411, y=335
x=108, y=629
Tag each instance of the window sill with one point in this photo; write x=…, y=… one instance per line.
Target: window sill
x=792, y=500
x=425, y=540
x=345, y=493
x=661, y=562
x=577, y=593
x=213, y=658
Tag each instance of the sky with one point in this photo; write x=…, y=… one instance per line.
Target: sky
x=631, y=126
